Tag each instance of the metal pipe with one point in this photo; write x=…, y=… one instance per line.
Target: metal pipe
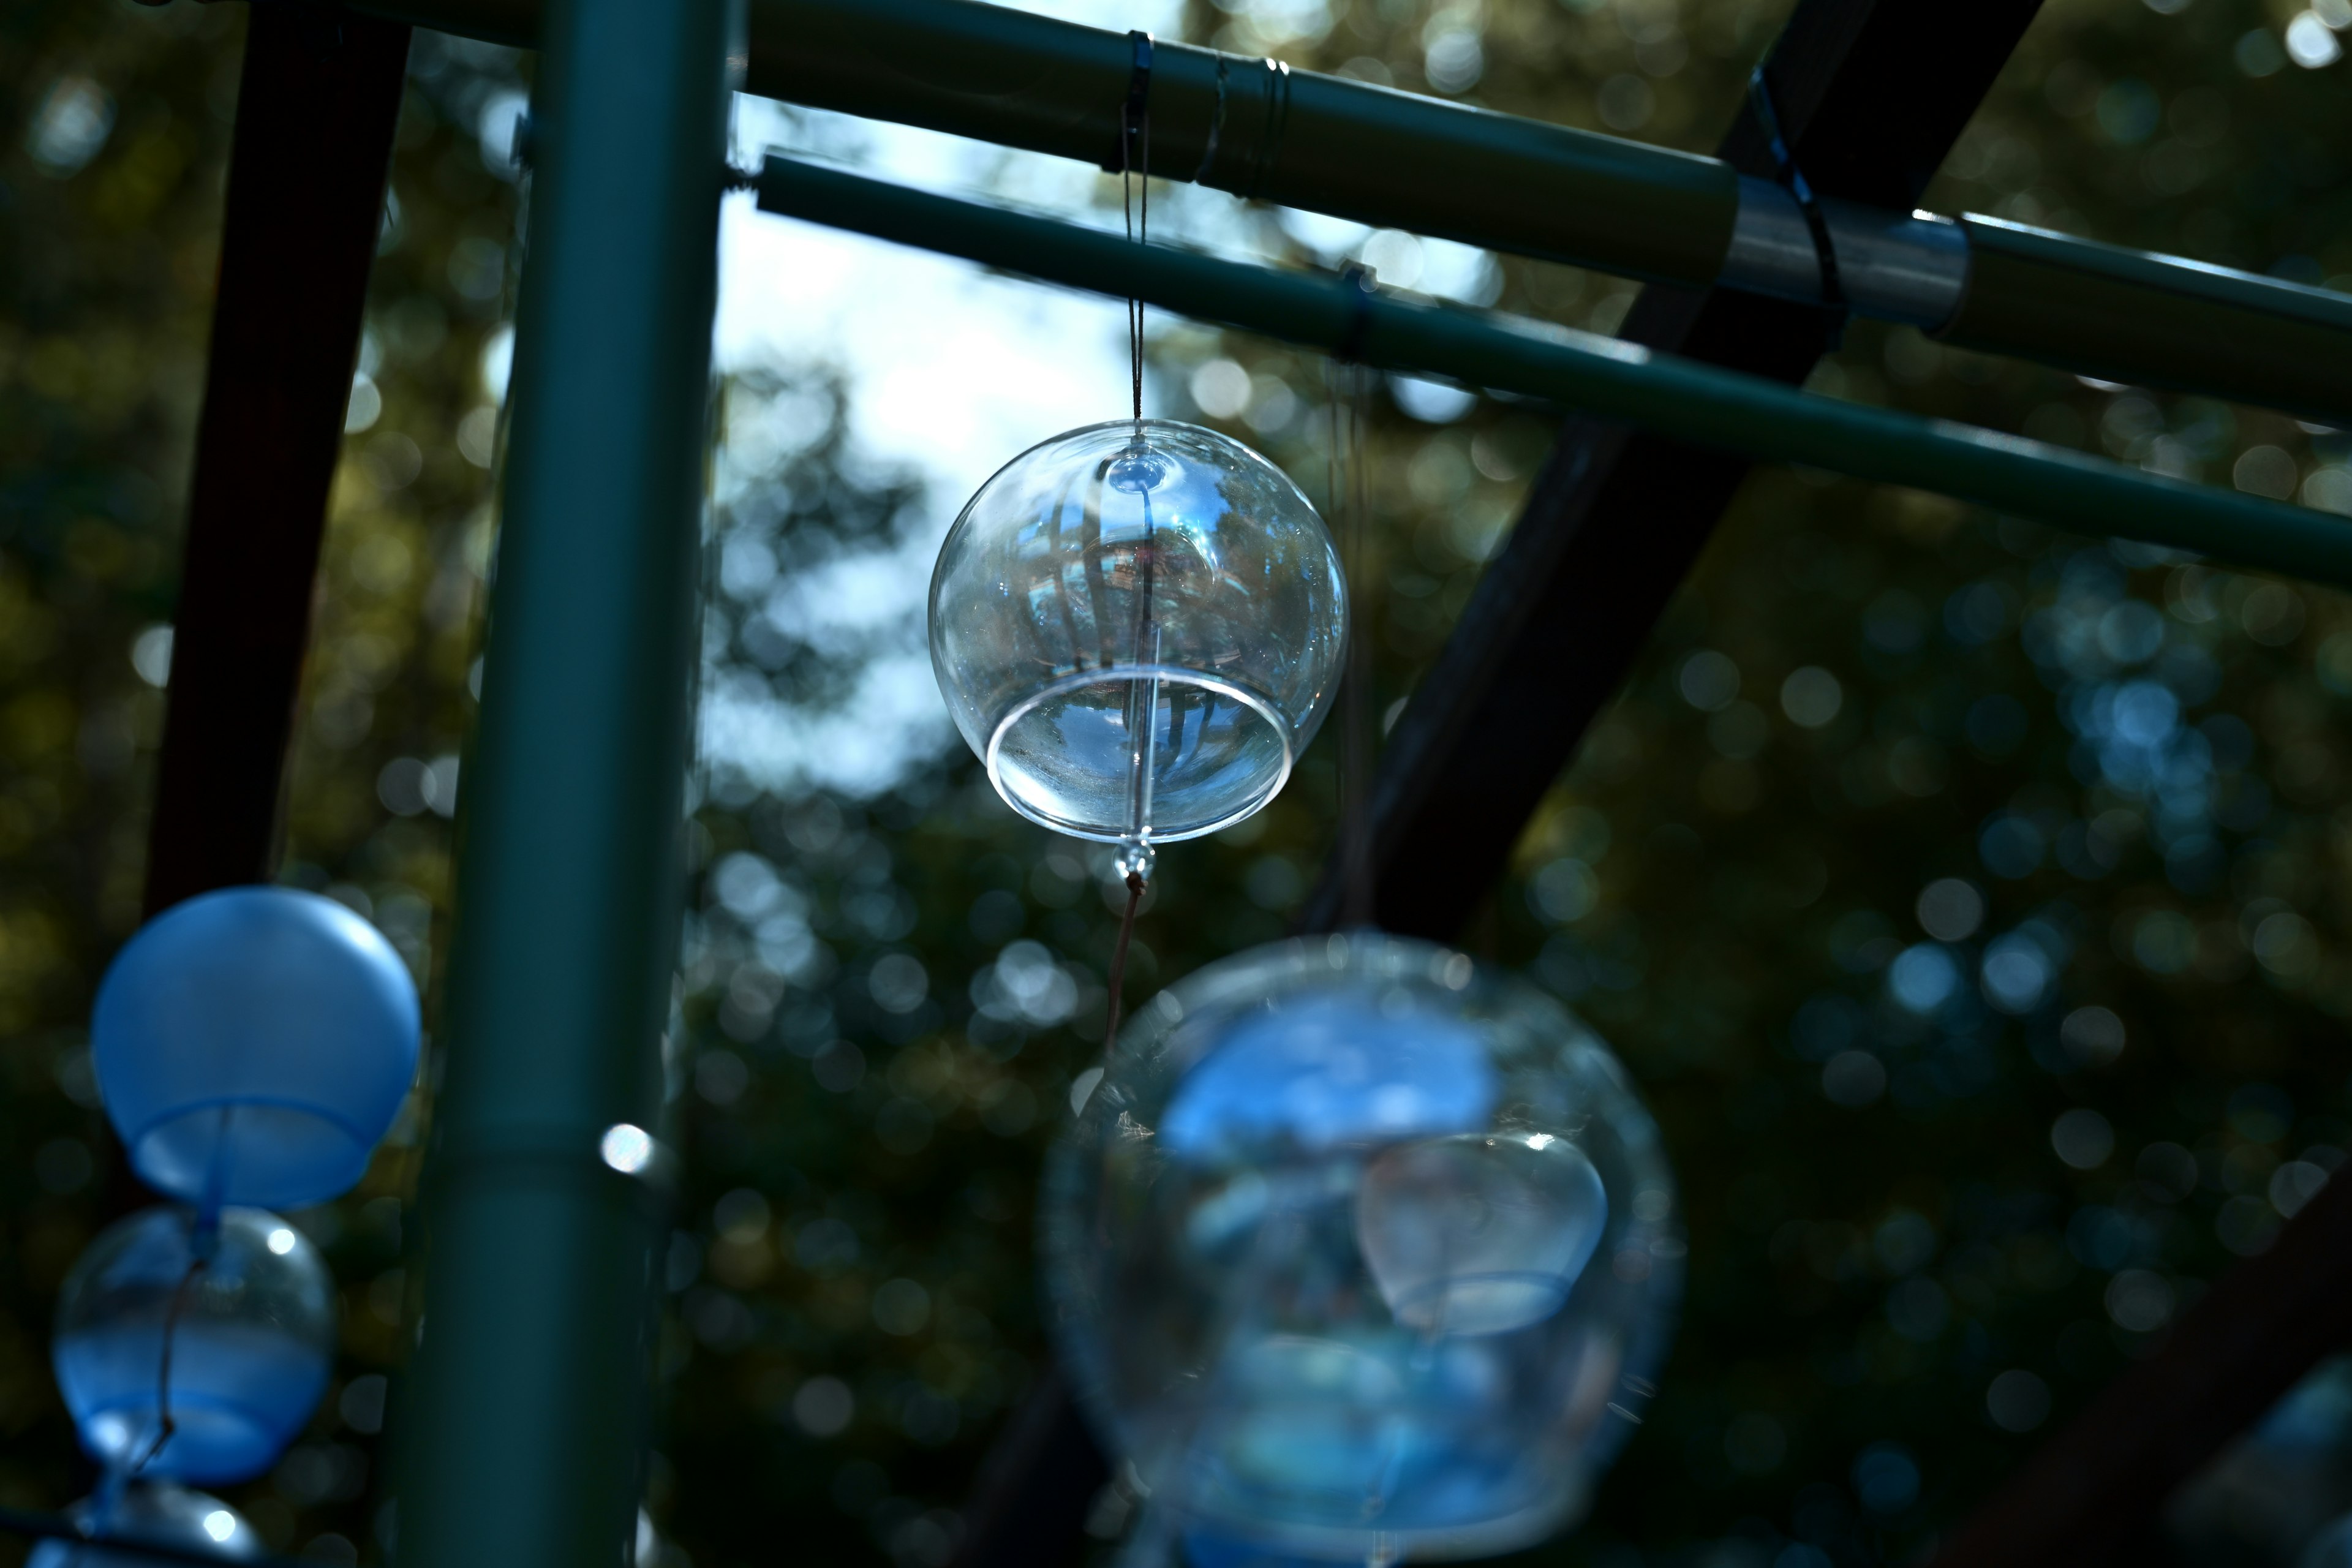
x=1912, y=268
x=1327, y=144
x=524, y=1446
x=1680, y=397
x=2156, y=321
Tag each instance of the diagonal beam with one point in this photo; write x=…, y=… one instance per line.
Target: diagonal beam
x=2082, y=1496
x=315, y=114
x=1872, y=97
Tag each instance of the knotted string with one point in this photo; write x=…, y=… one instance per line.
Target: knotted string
x=203, y=1237
x=165, y=1427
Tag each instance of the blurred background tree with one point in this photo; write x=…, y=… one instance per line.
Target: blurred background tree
x=1964, y=897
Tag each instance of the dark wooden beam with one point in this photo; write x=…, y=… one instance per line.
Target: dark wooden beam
x=1872, y=96
x=315, y=114
x=1030, y=1501
x=2092, y=1492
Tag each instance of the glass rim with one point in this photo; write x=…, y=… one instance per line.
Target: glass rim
x=1256, y=702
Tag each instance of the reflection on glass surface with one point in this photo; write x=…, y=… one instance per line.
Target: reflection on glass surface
x=1359, y=1251
x=255, y=1333
x=1138, y=626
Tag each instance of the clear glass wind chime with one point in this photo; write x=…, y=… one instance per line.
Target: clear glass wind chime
x=1138, y=626
x=1360, y=1249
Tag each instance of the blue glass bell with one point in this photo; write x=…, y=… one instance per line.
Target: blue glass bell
x=253, y=1046
x=250, y=1311
x=1361, y=1252
x=157, y=1513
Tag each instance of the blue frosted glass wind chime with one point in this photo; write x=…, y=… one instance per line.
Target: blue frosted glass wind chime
x=252, y=1047
x=1357, y=1249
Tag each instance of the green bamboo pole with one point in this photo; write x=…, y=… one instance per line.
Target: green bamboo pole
x=2155, y=321
x=1508, y=184
x=1679, y=397
x=522, y=1443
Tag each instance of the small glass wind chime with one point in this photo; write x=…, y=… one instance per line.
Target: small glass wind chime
x=1139, y=624
x=1359, y=1249
x=252, y=1047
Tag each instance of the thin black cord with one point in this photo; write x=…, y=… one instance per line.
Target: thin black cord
x=1349, y=387
x=165, y=1427
x=1134, y=164
x=1116, y=979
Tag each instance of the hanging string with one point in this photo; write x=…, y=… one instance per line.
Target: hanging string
x=165, y=1427
x=1347, y=385
x=204, y=1238
x=1117, y=976
x=1134, y=169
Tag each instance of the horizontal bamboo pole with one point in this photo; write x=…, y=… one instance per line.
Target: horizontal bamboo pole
x=2155, y=321
x=1402, y=160
x=1679, y=397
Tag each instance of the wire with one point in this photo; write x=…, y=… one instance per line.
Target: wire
x=1134, y=165
x=1348, y=384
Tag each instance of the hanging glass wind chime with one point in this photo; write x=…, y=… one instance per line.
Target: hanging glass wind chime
x=252, y=1047
x=1137, y=626
x=1360, y=1249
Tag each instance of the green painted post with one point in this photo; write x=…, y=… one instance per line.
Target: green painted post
x=523, y=1436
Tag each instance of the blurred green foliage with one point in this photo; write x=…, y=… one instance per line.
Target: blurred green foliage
x=1966, y=899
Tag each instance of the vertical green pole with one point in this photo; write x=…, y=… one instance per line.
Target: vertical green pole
x=522, y=1439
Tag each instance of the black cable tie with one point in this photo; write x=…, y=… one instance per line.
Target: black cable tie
x=1131, y=113
x=1792, y=178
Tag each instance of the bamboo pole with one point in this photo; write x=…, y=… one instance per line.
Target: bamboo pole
x=1505, y=182
x=523, y=1444
x=1680, y=397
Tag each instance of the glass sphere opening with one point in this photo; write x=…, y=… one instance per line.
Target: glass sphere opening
x=264, y=1153
x=1358, y=1248
x=251, y=1344
x=1159, y=752
x=1138, y=626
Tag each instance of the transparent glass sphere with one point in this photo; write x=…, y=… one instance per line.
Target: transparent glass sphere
x=1138, y=627
x=1359, y=1249
x=157, y=1513
x=250, y=1352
